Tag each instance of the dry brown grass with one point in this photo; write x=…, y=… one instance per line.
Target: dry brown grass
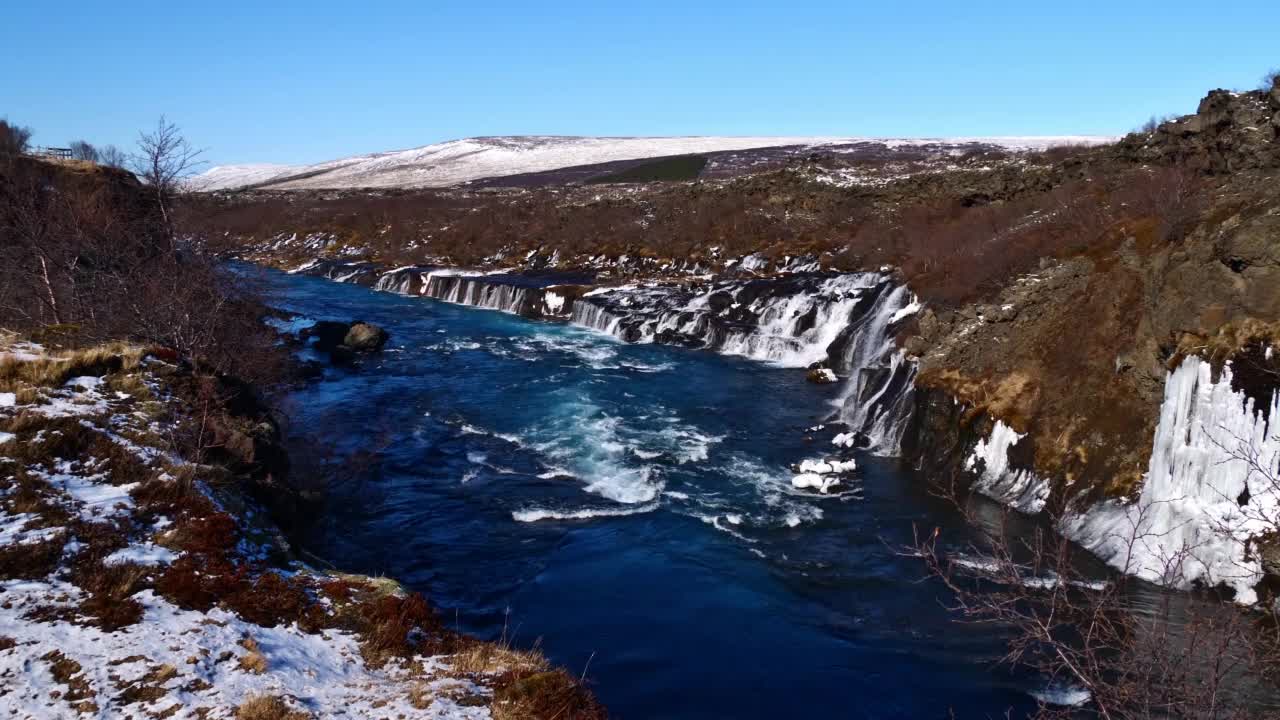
x=54, y=371
x=421, y=696
x=68, y=672
x=269, y=707
x=483, y=657
x=550, y=695
x=32, y=561
x=253, y=660
x=387, y=625
x=110, y=605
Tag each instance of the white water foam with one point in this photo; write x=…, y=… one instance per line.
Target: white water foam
x=529, y=515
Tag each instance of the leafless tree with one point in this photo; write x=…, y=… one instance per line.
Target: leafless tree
x=163, y=160
x=82, y=150
x=112, y=156
x=1173, y=195
x=13, y=138
x=1153, y=123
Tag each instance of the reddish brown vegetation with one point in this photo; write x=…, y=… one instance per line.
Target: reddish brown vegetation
x=31, y=561
x=388, y=623
x=957, y=238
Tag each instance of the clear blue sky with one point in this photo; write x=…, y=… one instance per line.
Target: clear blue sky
x=304, y=82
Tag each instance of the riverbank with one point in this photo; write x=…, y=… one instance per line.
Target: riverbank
x=142, y=570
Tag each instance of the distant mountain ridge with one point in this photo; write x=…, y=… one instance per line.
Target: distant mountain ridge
x=461, y=161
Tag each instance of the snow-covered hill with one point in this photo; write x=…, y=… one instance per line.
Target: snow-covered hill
x=459, y=161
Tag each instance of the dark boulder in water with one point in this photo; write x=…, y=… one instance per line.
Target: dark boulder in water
x=364, y=337
x=345, y=341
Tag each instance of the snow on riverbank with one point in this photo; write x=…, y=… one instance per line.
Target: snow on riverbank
x=128, y=586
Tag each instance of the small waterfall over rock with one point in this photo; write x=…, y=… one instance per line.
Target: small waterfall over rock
x=478, y=291
x=876, y=401
x=790, y=321
x=842, y=322
x=533, y=295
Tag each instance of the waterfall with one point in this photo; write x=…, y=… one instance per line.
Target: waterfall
x=876, y=401
x=797, y=330
x=595, y=317
x=843, y=322
x=476, y=292
x=405, y=281
x=1210, y=491
x=789, y=322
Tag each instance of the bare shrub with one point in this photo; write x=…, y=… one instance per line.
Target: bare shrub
x=112, y=156
x=1270, y=80
x=82, y=150
x=1173, y=196
x=1153, y=123
x=90, y=251
x=1121, y=654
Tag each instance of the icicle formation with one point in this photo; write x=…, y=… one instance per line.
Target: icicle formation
x=1211, y=490
x=1020, y=489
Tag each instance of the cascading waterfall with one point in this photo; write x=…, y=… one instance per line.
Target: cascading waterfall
x=789, y=322
x=842, y=322
x=798, y=330
x=595, y=317
x=469, y=290
x=513, y=293
x=404, y=281
x=876, y=401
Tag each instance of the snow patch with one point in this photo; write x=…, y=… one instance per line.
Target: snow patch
x=144, y=554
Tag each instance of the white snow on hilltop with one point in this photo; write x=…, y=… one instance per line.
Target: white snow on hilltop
x=459, y=161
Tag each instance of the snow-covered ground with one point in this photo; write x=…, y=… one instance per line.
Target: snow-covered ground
x=459, y=161
x=67, y=650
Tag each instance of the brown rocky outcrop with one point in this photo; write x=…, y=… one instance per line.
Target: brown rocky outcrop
x=1229, y=132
